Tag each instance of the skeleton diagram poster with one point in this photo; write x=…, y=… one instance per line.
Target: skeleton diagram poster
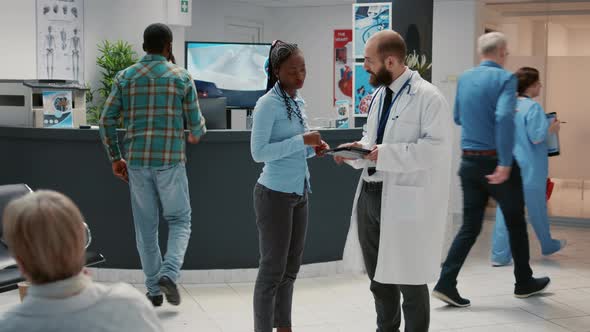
x=60, y=45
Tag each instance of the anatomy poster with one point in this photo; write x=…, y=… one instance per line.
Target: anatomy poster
x=57, y=109
x=363, y=91
x=343, y=66
x=369, y=18
x=60, y=41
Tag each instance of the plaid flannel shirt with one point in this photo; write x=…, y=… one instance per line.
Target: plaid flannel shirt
x=153, y=96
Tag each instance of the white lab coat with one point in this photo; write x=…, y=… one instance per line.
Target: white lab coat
x=415, y=160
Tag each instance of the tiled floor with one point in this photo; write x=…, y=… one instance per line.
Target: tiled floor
x=343, y=303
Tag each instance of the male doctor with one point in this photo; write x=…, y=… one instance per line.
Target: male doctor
x=400, y=209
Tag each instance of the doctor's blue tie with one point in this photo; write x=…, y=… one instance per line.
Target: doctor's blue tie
x=382, y=122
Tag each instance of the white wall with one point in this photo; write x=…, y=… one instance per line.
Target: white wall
x=453, y=52
x=210, y=17
x=558, y=40
x=104, y=19
x=313, y=29
x=567, y=95
x=310, y=27
x=512, y=32
x=579, y=42
x=17, y=27
x=104, y=23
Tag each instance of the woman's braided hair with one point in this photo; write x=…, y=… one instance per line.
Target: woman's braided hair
x=279, y=53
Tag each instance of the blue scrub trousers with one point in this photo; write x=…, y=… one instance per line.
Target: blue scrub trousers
x=536, y=204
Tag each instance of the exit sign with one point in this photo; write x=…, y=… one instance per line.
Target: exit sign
x=179, y=12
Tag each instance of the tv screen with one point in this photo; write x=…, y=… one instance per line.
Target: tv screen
x=238, y=70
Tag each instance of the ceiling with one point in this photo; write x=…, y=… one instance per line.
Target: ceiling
x=569, y=13
x=512, y=5
x=537, y=2
x=533, y=8
x=296, y=3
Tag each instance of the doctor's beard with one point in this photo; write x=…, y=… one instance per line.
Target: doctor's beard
x=383, y=77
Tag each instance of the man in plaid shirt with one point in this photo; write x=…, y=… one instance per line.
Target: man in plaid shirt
x=153, y=97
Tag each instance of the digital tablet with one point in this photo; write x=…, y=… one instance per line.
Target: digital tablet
x=349, y=152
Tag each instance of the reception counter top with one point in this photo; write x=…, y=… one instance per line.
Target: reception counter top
x=221, y=176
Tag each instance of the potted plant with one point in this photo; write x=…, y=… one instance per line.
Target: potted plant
x=113, y=57
x=419, y=63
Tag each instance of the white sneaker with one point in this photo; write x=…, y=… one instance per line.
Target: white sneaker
x=562, y=244
x=497, y=264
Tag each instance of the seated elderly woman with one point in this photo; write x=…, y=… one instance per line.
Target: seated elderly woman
x=45, y=233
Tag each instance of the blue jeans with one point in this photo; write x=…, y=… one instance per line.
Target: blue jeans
x=536, y=204
x=151, y=188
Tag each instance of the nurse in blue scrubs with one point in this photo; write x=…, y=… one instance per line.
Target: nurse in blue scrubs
x=530, y=150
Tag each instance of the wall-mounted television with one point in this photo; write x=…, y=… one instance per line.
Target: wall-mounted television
x=237, y=69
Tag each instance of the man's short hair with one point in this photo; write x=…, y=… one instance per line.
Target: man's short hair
x=155, y=37
x=490, y=43
x=392, y=47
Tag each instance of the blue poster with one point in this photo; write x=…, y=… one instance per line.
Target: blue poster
x=57, y=109
x=368, y=20
x=363, y=91
x=342, y=113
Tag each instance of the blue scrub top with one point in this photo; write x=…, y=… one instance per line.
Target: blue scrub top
x=531, y=125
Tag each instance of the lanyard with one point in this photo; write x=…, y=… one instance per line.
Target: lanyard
x=383, y=124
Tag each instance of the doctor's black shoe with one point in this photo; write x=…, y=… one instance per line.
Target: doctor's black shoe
x=534, y=286
x=451, y=297
x=169, y=288
x=156, y=300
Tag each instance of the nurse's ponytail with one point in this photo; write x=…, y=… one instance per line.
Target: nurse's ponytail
x=527, y=77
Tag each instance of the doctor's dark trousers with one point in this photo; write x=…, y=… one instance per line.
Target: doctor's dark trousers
x=416, y=306
x=281, y=219
x=476, y=192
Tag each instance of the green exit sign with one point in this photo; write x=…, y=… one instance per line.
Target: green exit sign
x=184, y=6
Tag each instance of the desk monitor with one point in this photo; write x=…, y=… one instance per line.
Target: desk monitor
x=237, y=69
x=214, y=111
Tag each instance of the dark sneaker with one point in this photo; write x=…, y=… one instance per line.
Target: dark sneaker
x=169, y=288
x=451, y=297
x=156, y=300
x=535, y=286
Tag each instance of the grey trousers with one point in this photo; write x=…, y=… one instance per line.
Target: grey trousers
x=416, y=306
x=282, y=225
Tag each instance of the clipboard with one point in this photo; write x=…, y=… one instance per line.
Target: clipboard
x=553, y=146
x=349, y=152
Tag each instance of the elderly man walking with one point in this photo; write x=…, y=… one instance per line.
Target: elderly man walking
x=484, y=108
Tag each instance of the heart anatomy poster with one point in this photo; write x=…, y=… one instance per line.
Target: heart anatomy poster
x=343, y=75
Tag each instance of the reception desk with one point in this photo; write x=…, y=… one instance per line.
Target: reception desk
x=221, y=176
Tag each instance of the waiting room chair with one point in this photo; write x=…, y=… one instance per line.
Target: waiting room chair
x=10, y=276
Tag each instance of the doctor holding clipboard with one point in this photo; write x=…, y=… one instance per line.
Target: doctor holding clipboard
x=400, y=209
